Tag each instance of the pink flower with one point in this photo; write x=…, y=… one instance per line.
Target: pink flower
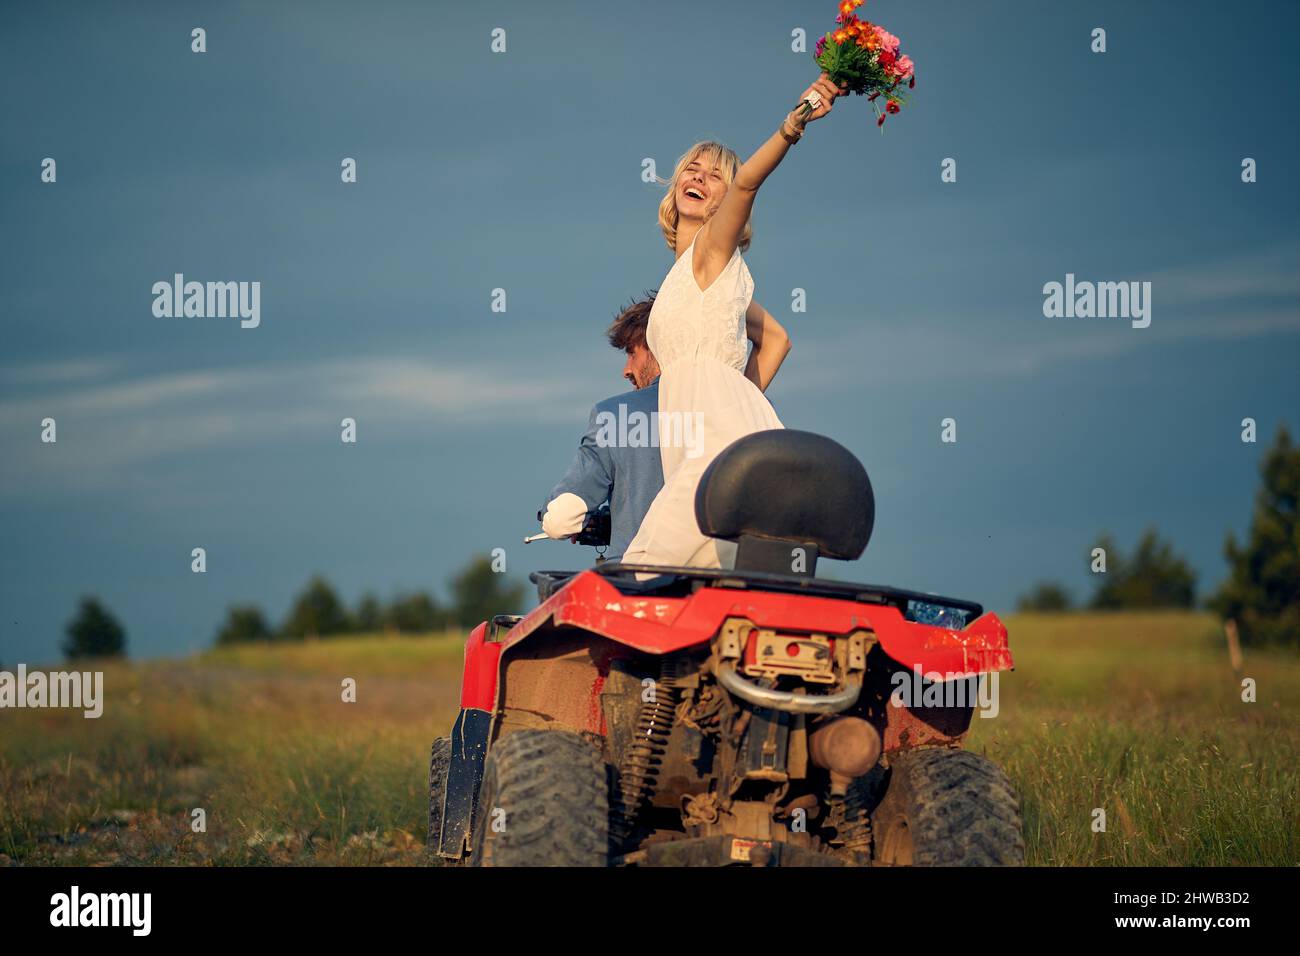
x=821, y=45
x=886, y=39
x=903, y=67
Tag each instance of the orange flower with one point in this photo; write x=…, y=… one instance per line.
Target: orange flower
x=847, y=7
x=839, y=36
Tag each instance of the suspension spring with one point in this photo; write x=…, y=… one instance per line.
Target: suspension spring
x=639, y=771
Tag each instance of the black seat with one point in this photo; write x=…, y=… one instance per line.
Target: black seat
x=776, y=491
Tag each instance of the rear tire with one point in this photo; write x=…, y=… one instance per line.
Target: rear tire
x=543, y=802
x=947, y=808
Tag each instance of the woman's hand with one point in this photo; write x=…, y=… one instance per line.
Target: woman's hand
x=771, y=345
x=824, y=88
x=720, y=236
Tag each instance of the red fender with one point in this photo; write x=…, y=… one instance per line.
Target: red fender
x=478, y=683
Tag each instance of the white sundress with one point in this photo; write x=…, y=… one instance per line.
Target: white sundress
x=705, y=403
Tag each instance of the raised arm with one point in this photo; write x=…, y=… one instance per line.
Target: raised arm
x=720, y=235
x=771, y=345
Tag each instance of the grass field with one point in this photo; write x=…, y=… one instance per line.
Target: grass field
x=1137, y=714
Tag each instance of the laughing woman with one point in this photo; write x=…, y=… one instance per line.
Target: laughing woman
x=697, y=332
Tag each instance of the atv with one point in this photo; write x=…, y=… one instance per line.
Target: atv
x=753, y=715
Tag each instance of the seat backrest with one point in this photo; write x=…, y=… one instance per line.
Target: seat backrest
x=773, y=491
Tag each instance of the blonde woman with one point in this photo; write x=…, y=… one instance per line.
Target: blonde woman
x=698, y=326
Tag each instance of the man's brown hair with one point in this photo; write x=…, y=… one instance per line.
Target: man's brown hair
x=628, y=329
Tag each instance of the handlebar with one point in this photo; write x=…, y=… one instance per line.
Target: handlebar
x=595, y=529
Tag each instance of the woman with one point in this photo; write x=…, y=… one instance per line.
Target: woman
x=697, y=333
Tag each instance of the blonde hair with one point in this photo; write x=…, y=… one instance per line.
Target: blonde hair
x=714, y=154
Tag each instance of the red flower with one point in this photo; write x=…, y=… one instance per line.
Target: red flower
x=911, y=84
x=881, y=121
x=892, y=107
x=887, y=59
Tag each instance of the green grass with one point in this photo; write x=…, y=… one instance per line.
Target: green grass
x=1138, y=714
x=1141, y=715
x=259, y=737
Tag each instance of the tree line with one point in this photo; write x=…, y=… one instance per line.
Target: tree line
x=1262, y=590
x=477, y=593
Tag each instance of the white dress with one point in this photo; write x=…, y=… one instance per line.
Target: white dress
x=705, y=403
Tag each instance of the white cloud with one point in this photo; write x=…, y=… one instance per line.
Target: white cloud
x=117, y=424
x=1233, y=298
x=1270, y=272
x=76, y=370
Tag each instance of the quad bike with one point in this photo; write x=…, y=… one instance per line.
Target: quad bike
x=692, y=716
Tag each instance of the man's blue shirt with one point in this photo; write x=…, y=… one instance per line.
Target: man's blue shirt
x=626, y=474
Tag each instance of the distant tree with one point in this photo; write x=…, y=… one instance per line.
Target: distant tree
x=94, y=632
x=1153, y=577
x=317, y=612
x=1045, y=596
x=1262, y=592
x=369, y=615
x=244, y=625
x=478, y=593
x=415, y=613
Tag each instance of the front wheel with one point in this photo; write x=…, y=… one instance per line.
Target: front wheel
x=543, y=802
x=947, y=808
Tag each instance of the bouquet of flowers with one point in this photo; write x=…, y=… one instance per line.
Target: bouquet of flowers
x=864, y=57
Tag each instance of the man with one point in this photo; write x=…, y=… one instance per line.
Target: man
x=626, y=474
x=629, y=473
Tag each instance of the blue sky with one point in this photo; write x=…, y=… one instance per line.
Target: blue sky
x=522, y=171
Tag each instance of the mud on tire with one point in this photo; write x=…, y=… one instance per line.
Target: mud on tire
x=439, y=762
x=947, y=808
x=551, y=787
